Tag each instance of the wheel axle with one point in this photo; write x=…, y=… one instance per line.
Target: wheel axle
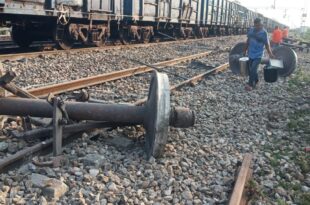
x=155, y=115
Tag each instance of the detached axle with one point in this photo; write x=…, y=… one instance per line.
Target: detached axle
x=155, y=115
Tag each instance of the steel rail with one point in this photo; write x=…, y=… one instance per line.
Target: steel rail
x=18, y=56
x=191, y=80
x=99, y=79
x=4, y=163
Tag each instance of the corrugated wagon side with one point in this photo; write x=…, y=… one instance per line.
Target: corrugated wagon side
x=95, y=22
x=61, y=20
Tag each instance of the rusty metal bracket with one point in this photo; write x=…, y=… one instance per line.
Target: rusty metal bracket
x=7, y=78
x=57, y=127
x=156, y=68
x=62, y=107
x=26, y=122
x=5, y=82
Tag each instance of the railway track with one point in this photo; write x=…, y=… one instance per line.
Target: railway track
x=22, y=55
x=94, y=80
x=90, y=81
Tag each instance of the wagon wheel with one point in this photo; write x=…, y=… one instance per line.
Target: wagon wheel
x=65, y=43
x=146, y=37
x=125, y=37
x=63, y=13
x=175, y=33
x=63, y=38
x=21, y=37
x=102, y=42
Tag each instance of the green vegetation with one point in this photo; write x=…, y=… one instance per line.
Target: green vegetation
x=305, y=199
x=254, y=192
x=290, y=148
x=303, y=161
x=300, y=80
x=281, y=202
x=300, y=121
x=296, y=34
x=306, y=35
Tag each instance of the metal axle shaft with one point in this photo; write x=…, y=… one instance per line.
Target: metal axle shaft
x=113, y=113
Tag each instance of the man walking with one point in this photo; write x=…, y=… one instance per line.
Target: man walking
x=257, y=40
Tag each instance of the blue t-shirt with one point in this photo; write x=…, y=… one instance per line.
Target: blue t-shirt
x=257, y=41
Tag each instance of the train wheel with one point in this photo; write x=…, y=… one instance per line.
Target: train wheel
x=146, y=37
x=63, y=38
x=65, y=44
x=21, y=37
x=102, y=42
x=125, y=37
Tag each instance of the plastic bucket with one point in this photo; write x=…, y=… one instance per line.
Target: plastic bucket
x=270, y=74
x=244, y=66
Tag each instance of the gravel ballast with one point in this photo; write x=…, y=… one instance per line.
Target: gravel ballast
x=199, y=163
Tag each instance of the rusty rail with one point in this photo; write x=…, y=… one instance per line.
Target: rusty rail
x=99, y=79
x=191, y=80
x=41, y=53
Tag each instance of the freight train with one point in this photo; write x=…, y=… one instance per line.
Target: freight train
x=97, y=21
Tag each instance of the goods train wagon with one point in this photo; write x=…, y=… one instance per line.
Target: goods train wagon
x=96, y=21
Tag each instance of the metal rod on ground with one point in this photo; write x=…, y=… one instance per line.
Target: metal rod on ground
x=74, y=128
x=238, y=195
x=42, y=145
x=93, y=100
x=170, y=37
x=24, y=153
x=76, y=110
x=195, y=78
x=199, y=77
x=156, y=68
x=6, y=83
x=42, y=122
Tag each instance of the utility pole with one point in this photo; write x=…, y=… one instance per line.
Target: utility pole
x=274, y=4
x=303, y=20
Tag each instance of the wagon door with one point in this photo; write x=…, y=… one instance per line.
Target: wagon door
x=224, y=13
x=193, y=12
x=209, y=12
x=149, y=10
x=164, y=10
x=219, y=12
x=186, y=11
x=105, y=6
x=203, y=11
x=214, y=16
x=228, y=11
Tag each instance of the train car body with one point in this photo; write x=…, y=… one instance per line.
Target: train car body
x=96, y=21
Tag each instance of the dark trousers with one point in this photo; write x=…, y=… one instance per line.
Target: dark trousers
x=253, y=67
